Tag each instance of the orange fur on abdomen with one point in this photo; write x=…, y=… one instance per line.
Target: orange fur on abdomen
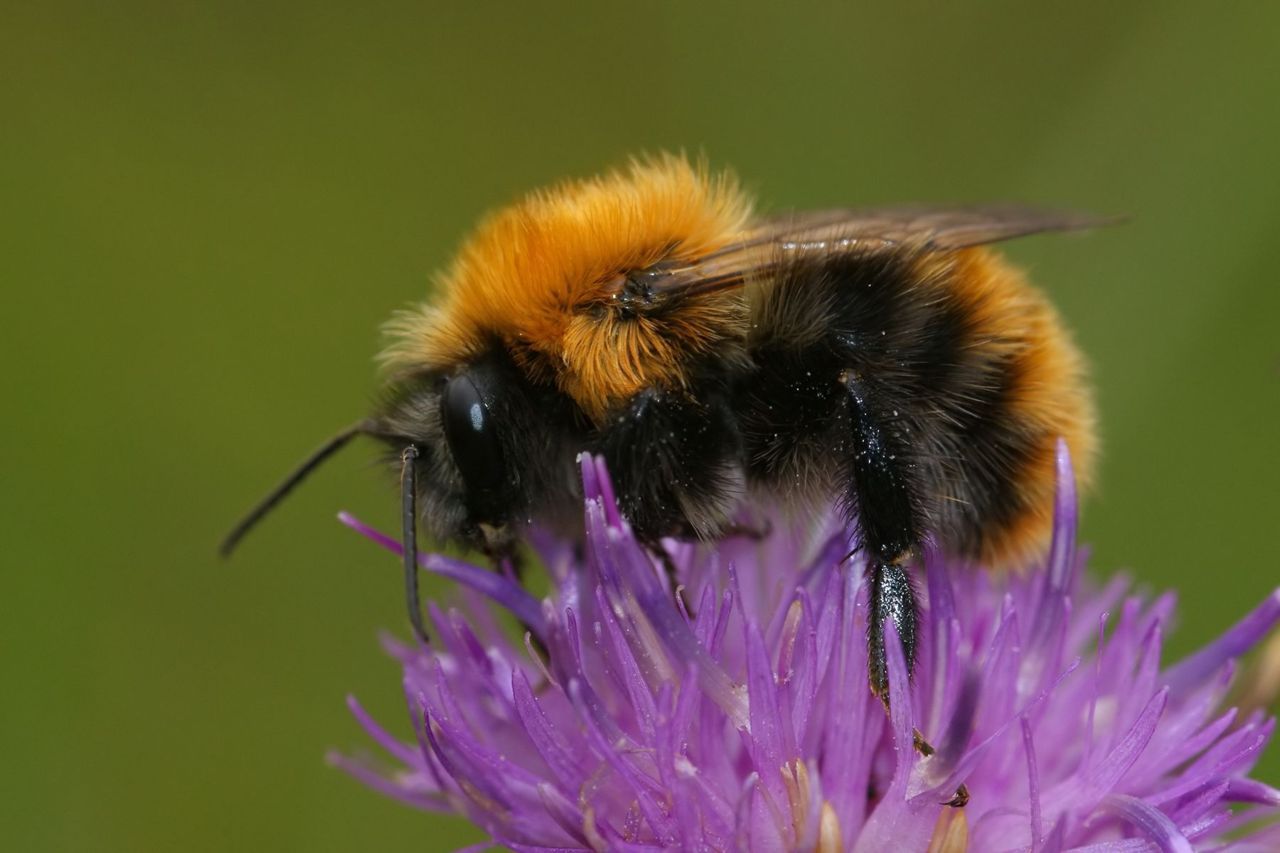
x=1015, y=324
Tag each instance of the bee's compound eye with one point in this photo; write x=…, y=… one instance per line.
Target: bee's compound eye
x=472, y=435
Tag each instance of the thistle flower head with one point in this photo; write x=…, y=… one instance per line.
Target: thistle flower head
x=625, y=721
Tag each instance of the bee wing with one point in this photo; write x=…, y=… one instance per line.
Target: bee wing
x=926, y=228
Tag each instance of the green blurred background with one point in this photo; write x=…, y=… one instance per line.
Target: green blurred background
x=208, y=210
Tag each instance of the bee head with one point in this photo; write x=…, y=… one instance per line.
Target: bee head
x=490, y=446
x=486, y=447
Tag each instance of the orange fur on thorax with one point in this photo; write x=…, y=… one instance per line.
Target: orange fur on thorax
x=531, y=274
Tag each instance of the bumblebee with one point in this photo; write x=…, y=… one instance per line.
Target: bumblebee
x=884, y=359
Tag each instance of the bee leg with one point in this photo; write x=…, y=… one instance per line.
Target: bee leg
x=409, y=538
x=663, y=556
x=754, y=532
x=668, y=564
x=673, y=459
x=892, y=599
x=508, y=558
x=882, y=502
x=888, y=519
x=960, y=798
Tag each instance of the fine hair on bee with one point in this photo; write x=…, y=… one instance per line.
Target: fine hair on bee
x=886, y=359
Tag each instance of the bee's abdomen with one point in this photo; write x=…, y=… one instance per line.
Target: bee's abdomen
x=964, y=368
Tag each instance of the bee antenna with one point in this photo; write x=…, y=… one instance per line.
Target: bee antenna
x=268, y=503
x=409, y=537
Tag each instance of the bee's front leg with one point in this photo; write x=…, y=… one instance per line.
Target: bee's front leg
x=675, y=459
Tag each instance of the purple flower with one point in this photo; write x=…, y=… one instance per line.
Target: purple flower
x=629, y=723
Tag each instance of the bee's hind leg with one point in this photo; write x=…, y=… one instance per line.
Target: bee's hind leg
x=960, y=798
x=888, y=518
x=891, y=600
x=883, y=504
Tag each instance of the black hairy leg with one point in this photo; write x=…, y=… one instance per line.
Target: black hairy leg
x=884, y=500
x=674, y=463
x=881, y=498
x=835, y=403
